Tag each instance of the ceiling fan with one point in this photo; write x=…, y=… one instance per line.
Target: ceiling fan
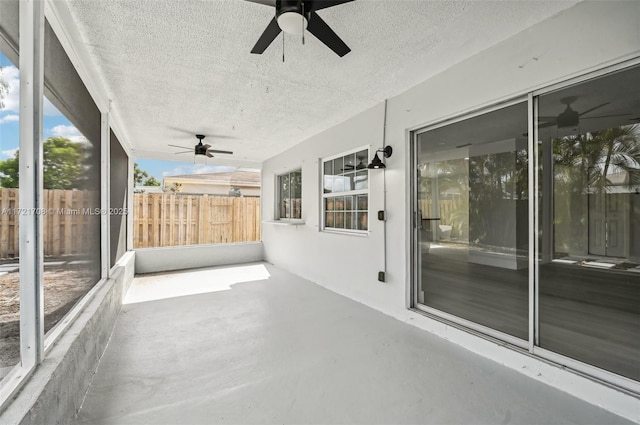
x=294, y=16
x=201, y=149
x=570, y=117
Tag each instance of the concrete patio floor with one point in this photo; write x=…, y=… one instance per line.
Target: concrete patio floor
x=256, y=344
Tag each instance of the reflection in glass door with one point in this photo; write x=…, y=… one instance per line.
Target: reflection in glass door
x=473, y=220
x=589, y=273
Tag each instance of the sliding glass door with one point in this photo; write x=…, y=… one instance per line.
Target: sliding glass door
x=589, y=197
x=473, y=217
x=491, y=199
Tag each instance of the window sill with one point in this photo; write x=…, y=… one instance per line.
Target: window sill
x=286, y=222
x=361, y=233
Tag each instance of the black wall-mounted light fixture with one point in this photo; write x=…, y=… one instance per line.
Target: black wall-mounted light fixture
x=376, y=162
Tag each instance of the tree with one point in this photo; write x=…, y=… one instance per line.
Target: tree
x=4, y=89
x=142, y=178
x=62, y=165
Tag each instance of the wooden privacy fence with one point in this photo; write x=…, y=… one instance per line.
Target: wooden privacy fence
x=71, y=223
x=169, y=219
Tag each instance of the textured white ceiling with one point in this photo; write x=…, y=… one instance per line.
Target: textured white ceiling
x=174, y=68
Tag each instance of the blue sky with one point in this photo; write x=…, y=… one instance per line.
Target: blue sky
x=159, y=169
x=55, y=124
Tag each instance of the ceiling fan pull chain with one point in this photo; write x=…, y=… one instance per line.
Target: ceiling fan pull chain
x=302, y=22
x=282, y=46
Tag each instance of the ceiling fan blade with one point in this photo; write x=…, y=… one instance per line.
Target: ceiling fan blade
x=189, y=151
x=271, y=3
x=323, y=4
x=269, y=34
x=183, y=147
x=324, y=33
x=219, y=151
x=593, y=109
x=605, y=116
x=547, y=124
x=207, y=146
x=209, y=154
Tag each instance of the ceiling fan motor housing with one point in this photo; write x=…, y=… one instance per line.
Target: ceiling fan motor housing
x=201, y=149
x=568, y=118
x=296, y=6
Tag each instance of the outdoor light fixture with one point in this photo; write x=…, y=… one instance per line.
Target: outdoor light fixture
x=376, y=162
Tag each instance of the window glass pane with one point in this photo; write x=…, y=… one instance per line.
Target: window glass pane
x=328, y=219
x=473, y=203
x=363, y=221
x=346, y=178
x=9, y=232
x=71, y=153
x=348, y=202
x=362, y=160
x=71, y=238
x=363, y=202
x=590, y=222
x=119, y=175
x=328, y=202
x=339, y=220
x=296, y=194
x=350, y=162
x=338, y=166
x=349, y=182
x=362, y=180
x=284, y=197
x=348, y=220
x=181, y=203
x=328, y=184
x=328, y=168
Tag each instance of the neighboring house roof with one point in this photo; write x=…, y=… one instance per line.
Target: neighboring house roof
x=148, y=189
x=236, y=178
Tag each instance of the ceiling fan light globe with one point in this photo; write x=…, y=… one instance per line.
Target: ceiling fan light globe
x=292, y=23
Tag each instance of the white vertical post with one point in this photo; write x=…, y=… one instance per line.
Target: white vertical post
x=532, y=214
x=30, y=192
x=105, y=239
x=129, y=205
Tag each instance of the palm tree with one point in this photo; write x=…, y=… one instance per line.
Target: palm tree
x=585, y=164
x=592, y=158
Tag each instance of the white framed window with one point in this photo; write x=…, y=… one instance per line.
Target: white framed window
x=345, y=197
x=289, y=196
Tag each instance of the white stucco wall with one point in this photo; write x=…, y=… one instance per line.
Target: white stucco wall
x=584, y=38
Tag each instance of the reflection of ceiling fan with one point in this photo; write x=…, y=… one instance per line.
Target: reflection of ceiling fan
x=569, y=117
x=294, y=16
x=201, y=149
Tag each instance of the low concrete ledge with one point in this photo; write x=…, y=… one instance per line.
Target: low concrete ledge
x=54, y=392
x=152, y=260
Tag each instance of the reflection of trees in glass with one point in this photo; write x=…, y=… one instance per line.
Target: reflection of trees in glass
x=594, y=162
x=594, y=157
x=497, y=199
x=291, y=195
x=65, y=165
x=453, y=190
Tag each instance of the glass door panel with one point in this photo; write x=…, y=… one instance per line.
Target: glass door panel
x=589, y=270
x=473, y=220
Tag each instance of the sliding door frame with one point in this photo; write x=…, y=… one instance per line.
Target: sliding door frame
x=532, y=344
